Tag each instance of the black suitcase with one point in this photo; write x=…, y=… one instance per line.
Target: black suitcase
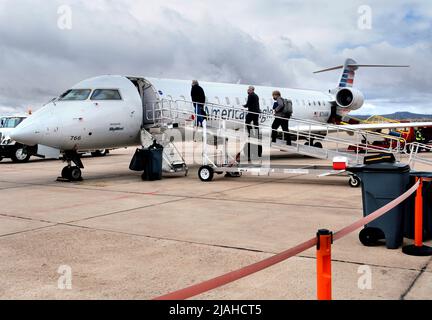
x=138, y=162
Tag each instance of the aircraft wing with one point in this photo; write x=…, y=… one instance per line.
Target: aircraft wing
x=366, y=127
x=378, y=126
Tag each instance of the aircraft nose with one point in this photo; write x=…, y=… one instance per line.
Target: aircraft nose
x=26, y=133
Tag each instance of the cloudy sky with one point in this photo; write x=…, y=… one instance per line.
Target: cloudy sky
x=267, y=42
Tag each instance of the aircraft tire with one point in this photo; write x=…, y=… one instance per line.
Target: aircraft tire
x=318, y=145
x=75, y=174
x=65, y=174
x=99, y=153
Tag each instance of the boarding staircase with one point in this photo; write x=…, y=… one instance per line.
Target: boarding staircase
x=320, y=140
x=318, y=152
x=173, y=161
x=417, y=152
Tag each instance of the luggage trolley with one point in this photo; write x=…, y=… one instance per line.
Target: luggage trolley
x=231, y=166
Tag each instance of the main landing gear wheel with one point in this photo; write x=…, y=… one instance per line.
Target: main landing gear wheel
x=354, y=182
x=370, y=237
x=99, y=153
x=21, y=155
x=206, y=173
x=72, y=173
x=318, y=145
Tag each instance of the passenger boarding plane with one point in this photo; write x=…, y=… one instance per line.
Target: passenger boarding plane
x=109, y=112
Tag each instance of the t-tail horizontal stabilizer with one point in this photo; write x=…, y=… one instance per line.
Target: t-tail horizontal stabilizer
x=351, y=66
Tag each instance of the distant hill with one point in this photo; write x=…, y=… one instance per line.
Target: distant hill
x=400, y=116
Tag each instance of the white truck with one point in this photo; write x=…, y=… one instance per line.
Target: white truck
x=20, y=153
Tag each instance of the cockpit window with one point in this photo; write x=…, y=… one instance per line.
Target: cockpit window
x=75, y=95
x=106, y=94
x=10, y=123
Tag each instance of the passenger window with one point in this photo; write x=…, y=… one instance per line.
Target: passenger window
x=227, y=101
x=217, y=100
x=238, y=101
x=106, y=94
x=183, y=98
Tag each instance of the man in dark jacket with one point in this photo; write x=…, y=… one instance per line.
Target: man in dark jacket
x=281, y=118
x=199, y=100
x=253, y=106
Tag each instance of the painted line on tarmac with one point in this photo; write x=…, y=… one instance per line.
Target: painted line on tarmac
x=209, y=198
x=229, y=247
x=25, y=231
x=123, y=211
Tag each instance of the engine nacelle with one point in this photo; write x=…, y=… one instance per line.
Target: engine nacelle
x=350, y=99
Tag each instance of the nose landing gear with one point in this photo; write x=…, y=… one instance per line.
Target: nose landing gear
x=72, y=173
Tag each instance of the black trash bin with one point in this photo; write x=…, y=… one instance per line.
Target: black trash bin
x=409, y=222
x=153, y=162
x=381, y=184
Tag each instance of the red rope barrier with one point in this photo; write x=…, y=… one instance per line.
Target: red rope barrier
x=377, y=214
x=220, y=281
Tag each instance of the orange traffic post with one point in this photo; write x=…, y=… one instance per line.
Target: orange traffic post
x=418, y=249
x=324, y=265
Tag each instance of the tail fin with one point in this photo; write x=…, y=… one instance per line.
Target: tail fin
x=349, y=71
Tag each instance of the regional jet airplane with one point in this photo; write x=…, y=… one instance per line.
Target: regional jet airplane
x=109, y=112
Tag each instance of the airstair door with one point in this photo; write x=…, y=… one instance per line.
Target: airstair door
x=150, y=101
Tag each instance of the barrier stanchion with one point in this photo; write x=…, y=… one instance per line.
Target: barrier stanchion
x=418, y=249
x=324, y=265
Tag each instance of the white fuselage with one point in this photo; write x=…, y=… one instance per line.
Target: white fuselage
x=92, y=124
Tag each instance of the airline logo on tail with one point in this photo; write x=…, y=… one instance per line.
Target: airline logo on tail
x=348, y=75
x=347, y=79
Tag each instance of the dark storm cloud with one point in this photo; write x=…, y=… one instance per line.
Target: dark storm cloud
x=39, y=60
x=266, y=42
